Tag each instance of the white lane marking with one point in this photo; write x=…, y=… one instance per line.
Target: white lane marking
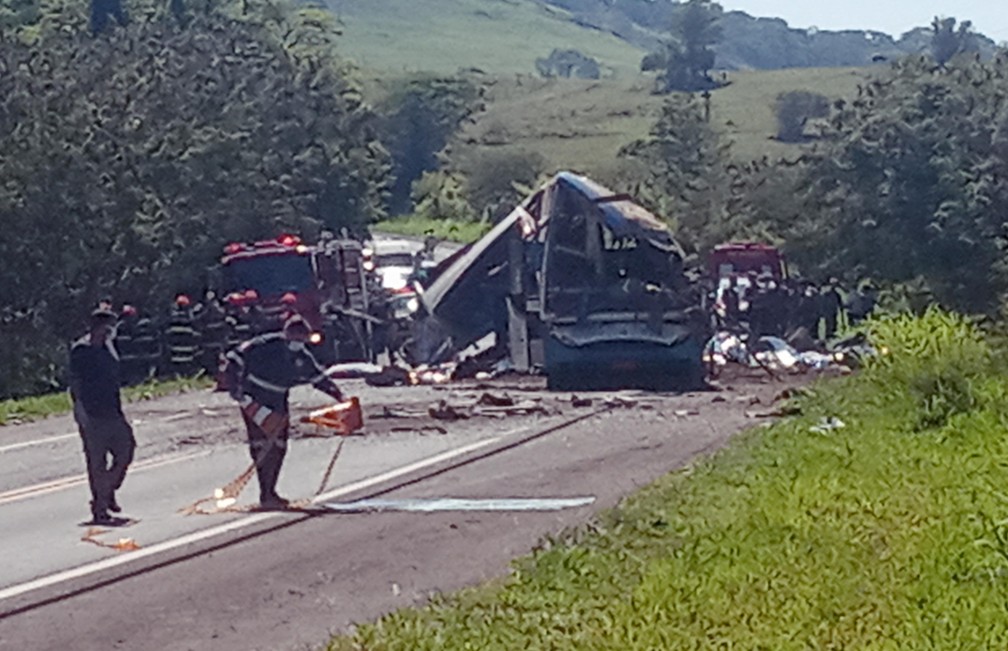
x=462, y=504
x=197, y=536
x=62, y=437
x=76, y=480
x=28, y=444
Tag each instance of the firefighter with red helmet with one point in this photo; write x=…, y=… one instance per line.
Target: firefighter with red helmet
x=260, y=374
x=125, y=345
x=182, y=338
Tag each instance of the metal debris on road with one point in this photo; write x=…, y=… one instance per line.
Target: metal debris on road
x=445, y=411
x=421, y=429
x=491, y=400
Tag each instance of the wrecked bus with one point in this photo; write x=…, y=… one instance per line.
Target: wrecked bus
x=578, y=282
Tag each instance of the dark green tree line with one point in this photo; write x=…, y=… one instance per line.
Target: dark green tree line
x=914, y=186
x=129, y=159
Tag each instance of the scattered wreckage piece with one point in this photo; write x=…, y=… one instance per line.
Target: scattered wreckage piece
x=344, y=418
x=579, y=281
x=774, y=355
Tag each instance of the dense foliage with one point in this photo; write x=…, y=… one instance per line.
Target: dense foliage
x=419, y=117
x=913, y=184
x=129, y=158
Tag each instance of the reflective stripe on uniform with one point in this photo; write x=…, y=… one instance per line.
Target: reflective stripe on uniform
x=271, y=421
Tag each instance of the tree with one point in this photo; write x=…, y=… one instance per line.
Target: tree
x=568, y=64
x=912, y=187
x=498, y=180
x=683, y=171
x=947, y=41
x=685, y=61
x=130, y=158
x=420, y=116
x=442, y=195
x=794, y=109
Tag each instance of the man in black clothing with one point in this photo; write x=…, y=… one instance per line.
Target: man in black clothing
x=260, y=373
x=104, y=430
x=830, y=307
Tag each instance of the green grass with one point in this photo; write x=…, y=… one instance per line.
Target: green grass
x=574, y=124
x=443, y=229
x=581, y=125
x=36, y=407
x=889, y=533
x=504, y=37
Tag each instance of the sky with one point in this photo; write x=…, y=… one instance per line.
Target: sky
x=890, y=16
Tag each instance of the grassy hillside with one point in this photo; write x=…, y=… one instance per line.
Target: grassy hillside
x=575, y=124
x=497, y=36
x=581, y=124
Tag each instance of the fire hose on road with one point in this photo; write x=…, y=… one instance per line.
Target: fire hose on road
x=344, y=418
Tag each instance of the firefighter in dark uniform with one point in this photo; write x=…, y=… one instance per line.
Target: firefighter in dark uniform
x=238, y=330
x=147, y=344
x=260, y=374
x=213, y=329
x=125, y=345
x=182, y=338
x=97, y=407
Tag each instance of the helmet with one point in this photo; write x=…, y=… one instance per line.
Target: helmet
x=288, y=299
x=182, y=300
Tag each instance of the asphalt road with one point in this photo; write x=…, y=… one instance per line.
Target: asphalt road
x=289, y=580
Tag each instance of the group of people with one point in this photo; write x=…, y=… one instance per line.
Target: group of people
x=191, y=337
x=766, y=306
x=260, y=372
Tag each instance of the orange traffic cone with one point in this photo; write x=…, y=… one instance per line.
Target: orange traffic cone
x=345, y=417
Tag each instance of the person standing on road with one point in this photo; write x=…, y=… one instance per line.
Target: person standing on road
x=97, y=408
x=260, y=374
x=182, y=337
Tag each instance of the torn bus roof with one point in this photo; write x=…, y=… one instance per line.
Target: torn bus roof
x=624, y=217
x=588, y=273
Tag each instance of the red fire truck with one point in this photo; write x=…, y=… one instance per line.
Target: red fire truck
x=324, y=282
x=745, y=258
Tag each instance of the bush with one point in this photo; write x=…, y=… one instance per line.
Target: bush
x=442, y=195
x=794, y=110
x=937, y=362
